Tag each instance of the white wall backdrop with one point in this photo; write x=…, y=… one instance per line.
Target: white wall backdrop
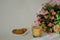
x=17, y=13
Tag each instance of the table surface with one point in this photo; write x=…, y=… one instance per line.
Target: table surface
x=44, y=36
x=28, y=36
x=48, y=37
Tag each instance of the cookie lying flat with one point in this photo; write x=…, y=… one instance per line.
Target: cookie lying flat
x=19, y=31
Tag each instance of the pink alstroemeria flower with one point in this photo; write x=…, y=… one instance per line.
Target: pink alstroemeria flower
x=46, y=12
x=53, y=13
x=56, y=28
x=37, y=21
x=52, y=17
x=50, y=24
x=38, y=17
x=45, y=17
x=52, y=10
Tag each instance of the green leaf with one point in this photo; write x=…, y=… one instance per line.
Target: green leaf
x=48, y=7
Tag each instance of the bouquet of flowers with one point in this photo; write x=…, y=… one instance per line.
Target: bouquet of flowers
x=50, y=18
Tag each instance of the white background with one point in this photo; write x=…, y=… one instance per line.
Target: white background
x=17, y=13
